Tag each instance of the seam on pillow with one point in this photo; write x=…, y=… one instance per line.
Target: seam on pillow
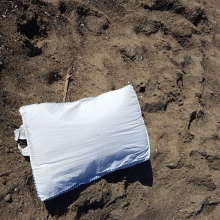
x=93, y=177
x=28, y=142
x=139, y=108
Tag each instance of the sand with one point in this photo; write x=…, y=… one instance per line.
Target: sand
x=168, y=50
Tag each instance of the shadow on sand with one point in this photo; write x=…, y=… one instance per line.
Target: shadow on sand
x=141, y=172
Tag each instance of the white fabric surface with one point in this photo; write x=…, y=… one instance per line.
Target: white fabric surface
x=76, y=142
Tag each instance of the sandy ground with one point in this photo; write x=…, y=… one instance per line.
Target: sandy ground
x=168, y=50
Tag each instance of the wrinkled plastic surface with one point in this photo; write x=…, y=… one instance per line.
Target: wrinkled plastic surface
x=74, y=143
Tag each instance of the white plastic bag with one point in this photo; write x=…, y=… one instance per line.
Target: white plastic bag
x=74, y=143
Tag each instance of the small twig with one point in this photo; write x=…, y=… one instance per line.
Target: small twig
x=29, y=178
x=5, y=173
x=68, y=75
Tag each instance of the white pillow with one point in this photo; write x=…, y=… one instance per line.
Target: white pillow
x=74, y=143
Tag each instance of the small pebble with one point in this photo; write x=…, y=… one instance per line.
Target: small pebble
x=172, y=166
x=8, y=198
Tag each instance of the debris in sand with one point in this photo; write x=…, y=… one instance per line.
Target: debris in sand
x=8, y=198
x=6, y=176
x=68, y=75
x=194, y=115
x=5, y=173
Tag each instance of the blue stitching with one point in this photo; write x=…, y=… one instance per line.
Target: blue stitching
x=93, y=177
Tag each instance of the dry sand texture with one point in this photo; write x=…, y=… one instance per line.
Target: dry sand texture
x=168, y=50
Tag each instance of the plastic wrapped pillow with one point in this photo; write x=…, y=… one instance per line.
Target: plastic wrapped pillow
x=74, y=143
